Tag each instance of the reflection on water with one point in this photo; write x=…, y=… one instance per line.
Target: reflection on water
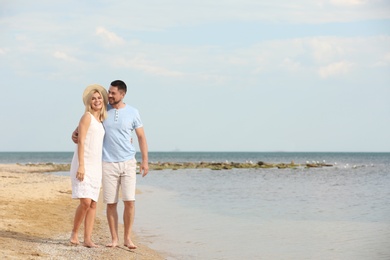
x=327, y=213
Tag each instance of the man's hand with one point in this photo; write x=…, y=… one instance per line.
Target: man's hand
x=75, y=136
x=144, y=168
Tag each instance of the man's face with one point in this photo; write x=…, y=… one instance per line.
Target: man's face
x=115, y=96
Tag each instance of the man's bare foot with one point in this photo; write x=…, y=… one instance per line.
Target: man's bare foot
x=90, y=245
x=112, y=244
x=130, y=245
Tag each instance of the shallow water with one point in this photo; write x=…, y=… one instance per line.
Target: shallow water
x=328, y=213
x=341, y=212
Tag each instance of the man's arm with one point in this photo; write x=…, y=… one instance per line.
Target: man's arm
x=75, y=135
x=85, y=121
x=143, y=146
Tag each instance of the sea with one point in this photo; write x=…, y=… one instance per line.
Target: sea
x=338, y=212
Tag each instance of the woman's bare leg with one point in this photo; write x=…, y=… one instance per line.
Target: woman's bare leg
x=88, y=225
x=78, y=219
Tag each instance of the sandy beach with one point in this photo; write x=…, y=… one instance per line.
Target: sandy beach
x=36, y=212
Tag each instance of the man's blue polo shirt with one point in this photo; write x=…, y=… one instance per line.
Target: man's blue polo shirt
x=119, y=126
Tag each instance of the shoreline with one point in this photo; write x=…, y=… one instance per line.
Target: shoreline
x=157, y=166
x=36, y=212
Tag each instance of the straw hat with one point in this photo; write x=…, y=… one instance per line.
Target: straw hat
x=97, y=87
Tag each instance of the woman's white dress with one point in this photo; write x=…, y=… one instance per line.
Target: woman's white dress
x=90, y=186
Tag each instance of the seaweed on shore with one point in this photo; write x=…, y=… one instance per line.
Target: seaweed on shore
x=52, y=167
x=231, y=165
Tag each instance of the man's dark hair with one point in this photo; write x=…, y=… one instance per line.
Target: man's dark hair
x=120, y=85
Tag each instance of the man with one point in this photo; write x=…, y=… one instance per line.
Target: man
x=119, y=164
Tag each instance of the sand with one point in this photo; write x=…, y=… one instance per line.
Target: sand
x=36, y=215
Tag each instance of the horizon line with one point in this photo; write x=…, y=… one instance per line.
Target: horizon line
x=197, y=151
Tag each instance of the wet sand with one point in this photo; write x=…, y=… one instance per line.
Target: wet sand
x=36, y=215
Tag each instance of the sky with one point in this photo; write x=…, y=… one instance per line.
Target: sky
x=231, y=75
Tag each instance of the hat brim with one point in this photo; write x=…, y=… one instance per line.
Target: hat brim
x=101, y=89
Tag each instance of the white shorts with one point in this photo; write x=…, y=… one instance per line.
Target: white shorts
x=119, y=174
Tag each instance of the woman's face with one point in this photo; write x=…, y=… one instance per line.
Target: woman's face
x=97, y=101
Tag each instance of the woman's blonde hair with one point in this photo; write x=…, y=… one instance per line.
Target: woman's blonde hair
x=88, y=108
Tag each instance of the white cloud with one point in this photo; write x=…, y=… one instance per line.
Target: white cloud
x=63, y=56
x=109, y=36
x=236, y=61
x=2, y=51
x=384, y=61
x=290, y=64
x=325, y=49
x=348, y=2
x=214, y=79
x=335, y=69
x=158, y=15
x=386, y=58
x=142, y=64
x=325, y=56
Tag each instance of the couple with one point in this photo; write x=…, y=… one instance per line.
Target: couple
x=107, y=126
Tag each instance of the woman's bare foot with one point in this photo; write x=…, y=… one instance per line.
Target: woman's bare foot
x=130, y=245
x=74, y=243
x=90, y=245
x=74, y=240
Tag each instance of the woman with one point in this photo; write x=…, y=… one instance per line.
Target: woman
x=86, y=167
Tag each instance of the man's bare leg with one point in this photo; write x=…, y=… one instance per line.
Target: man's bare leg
x=128, y=220
x=112, y=219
